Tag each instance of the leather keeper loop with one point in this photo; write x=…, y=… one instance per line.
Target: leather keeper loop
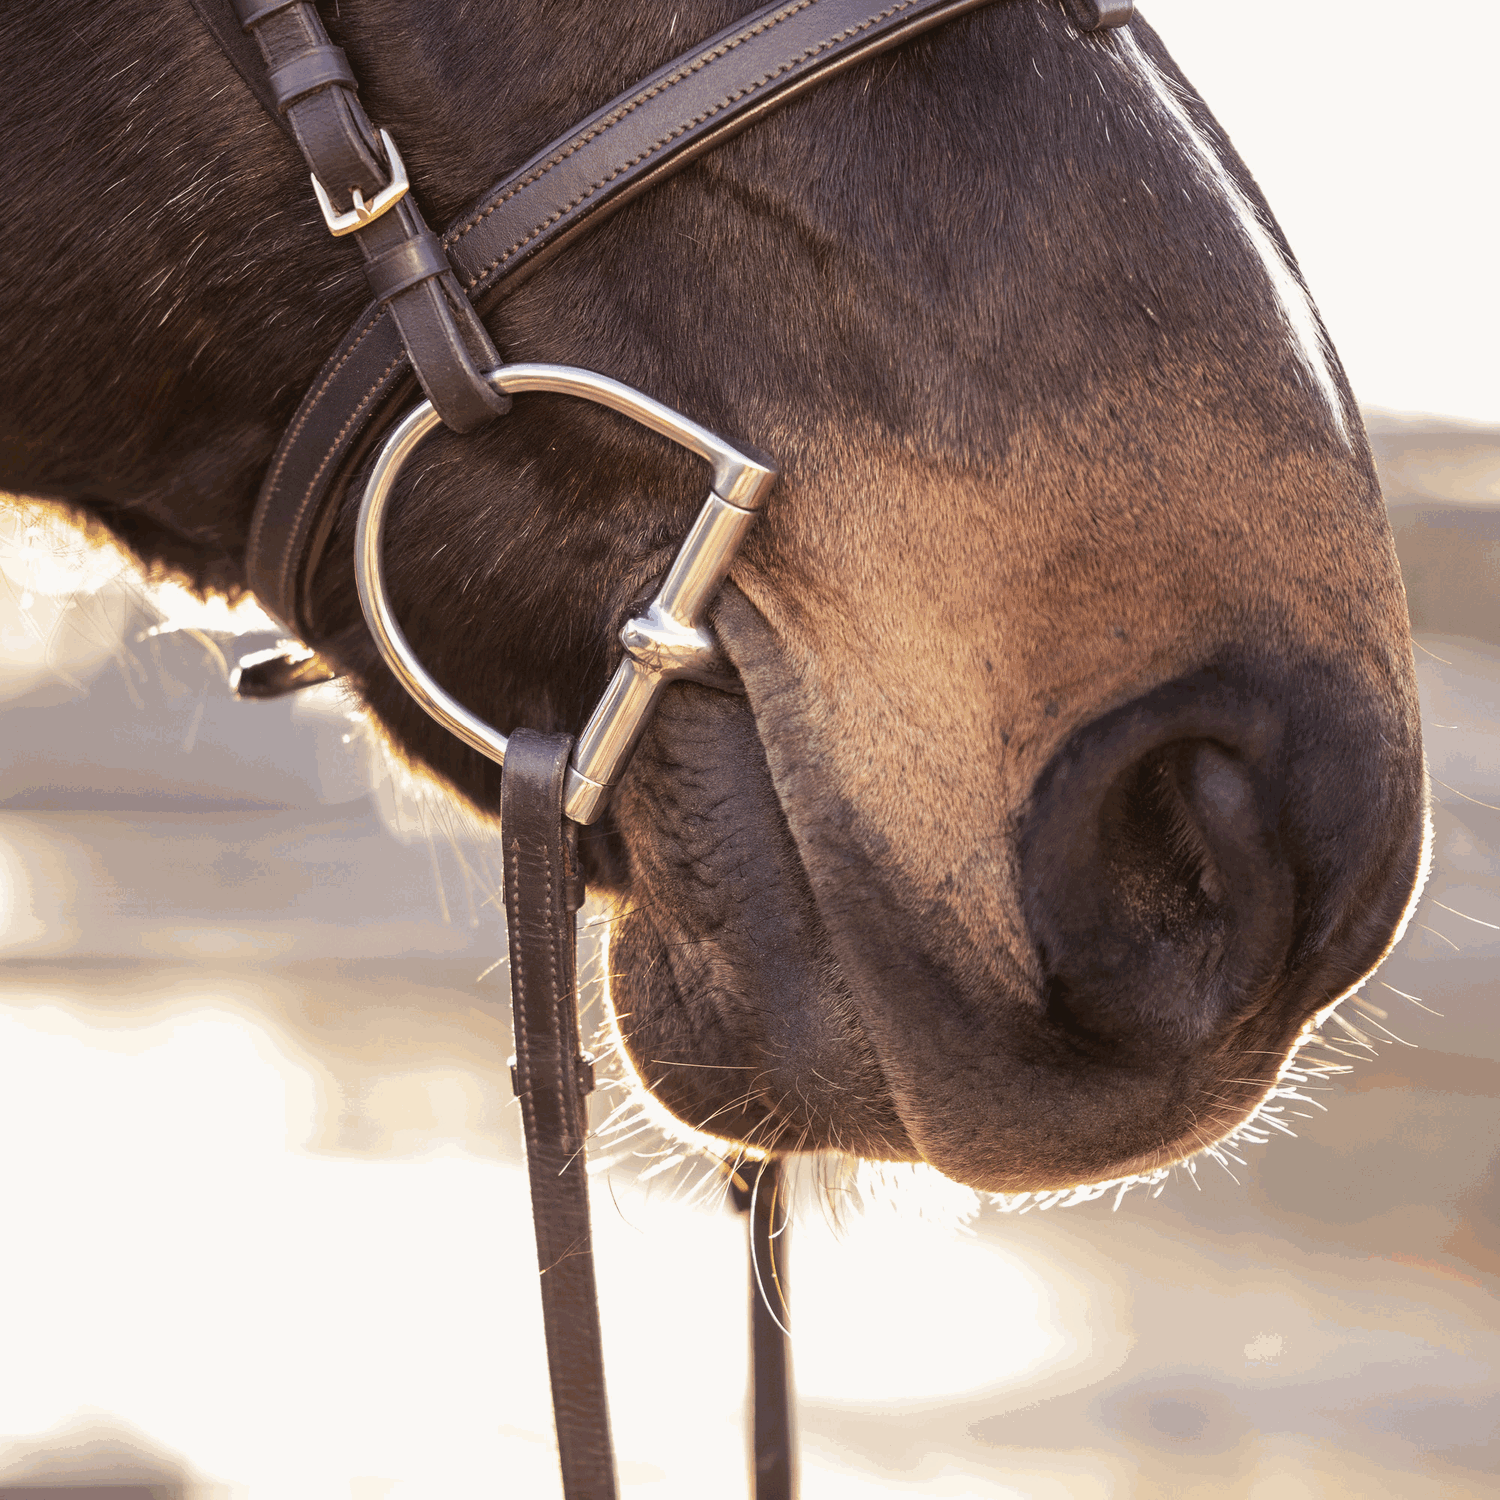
x=251, y=14
x=317, y=68
x=412, y=262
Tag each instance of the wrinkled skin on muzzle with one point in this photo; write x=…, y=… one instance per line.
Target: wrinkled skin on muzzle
x=1077, y=763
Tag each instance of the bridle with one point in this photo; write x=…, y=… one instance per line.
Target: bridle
x=425, y=322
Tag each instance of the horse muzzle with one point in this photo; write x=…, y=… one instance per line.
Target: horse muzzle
x=1198, y=873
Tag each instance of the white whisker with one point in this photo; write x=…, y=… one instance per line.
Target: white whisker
x=1433, y=930
x=1413, y=998
x=1478, y=921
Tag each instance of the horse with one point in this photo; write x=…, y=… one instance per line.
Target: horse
x=1071, y=768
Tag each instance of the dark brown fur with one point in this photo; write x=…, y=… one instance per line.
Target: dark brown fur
x=1054, y=478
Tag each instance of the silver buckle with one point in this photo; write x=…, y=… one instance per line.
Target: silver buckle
x=670, y=641
x=364, y=214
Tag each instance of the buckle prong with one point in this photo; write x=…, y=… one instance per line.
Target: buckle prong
x=364, y=214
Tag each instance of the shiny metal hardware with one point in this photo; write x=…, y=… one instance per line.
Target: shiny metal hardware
x=364, y=214
x=670, y=641
x=584, y=1067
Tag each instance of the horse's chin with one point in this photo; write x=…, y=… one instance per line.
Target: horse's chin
x=769, y=994
x=722, y=982
x=762, y=1046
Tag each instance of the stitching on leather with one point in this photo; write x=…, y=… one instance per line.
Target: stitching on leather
x=518, y=1005
x=289, y=442
x=613, y=119
x=289, y=556
x=562, y=1041
x=284, y=579
x=304, y=415
x=518, y=984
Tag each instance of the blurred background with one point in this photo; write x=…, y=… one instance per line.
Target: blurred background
x=263, y=1220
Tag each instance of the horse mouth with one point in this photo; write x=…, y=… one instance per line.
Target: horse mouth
x=1180, y=910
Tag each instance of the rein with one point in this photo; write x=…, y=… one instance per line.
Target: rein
x=425, y=323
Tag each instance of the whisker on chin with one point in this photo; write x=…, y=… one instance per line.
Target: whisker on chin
x=1478, y=921
x=1415, y=1000
x=1433, y=930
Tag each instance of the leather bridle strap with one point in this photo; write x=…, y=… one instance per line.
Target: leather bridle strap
x=543, y=891
x=758, y=1190
x=552, y=1077
x=361, y=186
x=686, y=108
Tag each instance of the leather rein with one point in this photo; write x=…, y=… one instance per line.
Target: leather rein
x=425, y=324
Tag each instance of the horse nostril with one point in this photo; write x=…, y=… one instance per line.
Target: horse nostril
x=1160, y=827
x=1155, y=885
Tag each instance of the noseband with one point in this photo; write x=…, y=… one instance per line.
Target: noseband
x=425, y=325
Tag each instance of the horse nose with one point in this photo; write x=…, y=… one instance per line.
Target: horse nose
x=1183, y=854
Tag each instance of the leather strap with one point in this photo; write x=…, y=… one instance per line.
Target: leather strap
x=410, y=263
x=759, y=1191
x=308, y=72
x=543, y=890
x=241, y=50
x=313, y=89
x=684, y=109
x=1094, y=15
x=256, y=11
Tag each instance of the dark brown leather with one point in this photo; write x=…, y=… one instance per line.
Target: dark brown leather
x=253, y=13
x=315, y=91
x=228, y=31
x=412, y=261
x=542, y=893
x=758, y=1189
x=1094, y=15
x=310, y=71
x=684, y=109
x=340, y=145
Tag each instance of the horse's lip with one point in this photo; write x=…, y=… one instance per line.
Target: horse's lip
x=990, y=1047
x=780, y=1098
x=891, y=1141
x=733, y=1014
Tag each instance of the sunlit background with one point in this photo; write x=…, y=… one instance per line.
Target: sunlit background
x=263, y=1221
x=1371, y=129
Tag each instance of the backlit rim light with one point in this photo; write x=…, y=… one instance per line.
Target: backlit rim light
x=1304, y=329
x=640, y=1110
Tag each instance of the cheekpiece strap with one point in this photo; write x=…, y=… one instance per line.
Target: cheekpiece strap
x=307, y=85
